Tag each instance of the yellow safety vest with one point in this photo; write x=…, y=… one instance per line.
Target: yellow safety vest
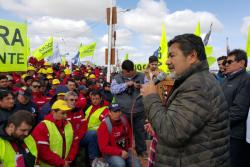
x=56, y=139
x=8, y=154
x=94, y=121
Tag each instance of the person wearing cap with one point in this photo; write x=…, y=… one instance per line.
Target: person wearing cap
x=55, y=83
x=24, y=102
x=31, y=71
x=60, y=92
x=115, y=139
x=54, y=137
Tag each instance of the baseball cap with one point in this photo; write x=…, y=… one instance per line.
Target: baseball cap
x=82, y=87
x=114, y=107
x=61, y=90
x=60, y=105
x=27, y=92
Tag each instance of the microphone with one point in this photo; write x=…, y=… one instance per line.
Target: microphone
x=160, y=77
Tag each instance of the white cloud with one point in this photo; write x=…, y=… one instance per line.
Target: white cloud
x=73, y=9
x=67, y=33
x=123, y=37
x=149, y=15
x=245, y=25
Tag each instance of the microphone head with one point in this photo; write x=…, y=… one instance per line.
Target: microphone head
x=161, y=76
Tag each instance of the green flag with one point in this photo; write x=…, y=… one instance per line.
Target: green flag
x=248, y=43
x=44, y=50
x=87, y=50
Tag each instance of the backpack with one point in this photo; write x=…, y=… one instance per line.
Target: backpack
x=109, y=124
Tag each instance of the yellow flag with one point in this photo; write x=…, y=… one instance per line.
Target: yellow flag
x=211, y=60
x=248, y=43
x=126, y=56
x=63, y=61
x=163, y=51
x=208, y=50
x=197, y=31
x=13, y=44
x=44, y=50
x=87, y=50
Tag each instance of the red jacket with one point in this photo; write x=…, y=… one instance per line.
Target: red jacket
x=41, y=135
x=108, y=142
x=81, y=101
x=79, y=123
x=39, y=99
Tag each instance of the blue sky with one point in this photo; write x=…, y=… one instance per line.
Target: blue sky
x=138, y=31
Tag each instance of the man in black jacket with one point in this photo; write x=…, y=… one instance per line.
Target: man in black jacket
x=236, y=88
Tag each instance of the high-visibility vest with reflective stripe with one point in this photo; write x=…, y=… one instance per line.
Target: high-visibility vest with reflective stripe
x=94, y=121
x=8, y=154
x=56, y=139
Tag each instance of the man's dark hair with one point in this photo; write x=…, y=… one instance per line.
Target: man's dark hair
x=28, y=78
x=239, y=55
x=221, y=58
x=189, y=43
x=128, y=65
x=21, y=116
x=70, y=80
x=3, y=77
x=5, y=93
x=95, y=93
x=152, y=59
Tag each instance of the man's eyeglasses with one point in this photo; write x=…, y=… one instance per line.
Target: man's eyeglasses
x=36, y=86
x=229, y=61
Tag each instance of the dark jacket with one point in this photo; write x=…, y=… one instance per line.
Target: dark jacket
x=30, y=106
x=126, y=98
x=193, y=127
x=4, y=115
x=236, y=88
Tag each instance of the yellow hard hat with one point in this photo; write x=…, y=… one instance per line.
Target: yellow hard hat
x=23, y=76
x=42, y=71
x=31, y=68
x=47, y=64
x=92, y=76
x=60, y=105
x=49, y=77
x=67, y=71
x=55, y=81
x=49, y=70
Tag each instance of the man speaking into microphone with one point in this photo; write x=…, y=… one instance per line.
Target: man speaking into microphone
x=193, y=127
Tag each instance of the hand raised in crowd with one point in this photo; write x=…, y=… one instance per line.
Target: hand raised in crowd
x=124, y=154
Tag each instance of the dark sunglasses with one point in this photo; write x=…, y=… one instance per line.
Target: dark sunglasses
x=36, y=86
x=229, y=61
x=72, y=99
